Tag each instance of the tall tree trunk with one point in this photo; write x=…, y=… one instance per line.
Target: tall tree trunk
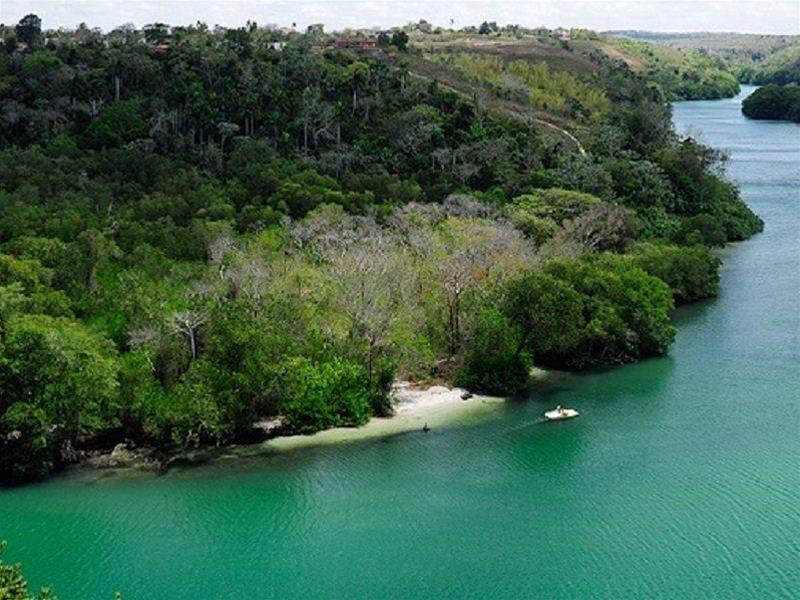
x=452, y=331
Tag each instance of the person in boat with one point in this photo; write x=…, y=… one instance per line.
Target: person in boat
x=560, y=409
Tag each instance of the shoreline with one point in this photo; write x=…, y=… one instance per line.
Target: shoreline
x=415, y=406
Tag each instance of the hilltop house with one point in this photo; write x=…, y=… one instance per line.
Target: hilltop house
x=562, y=34
x=357, y=43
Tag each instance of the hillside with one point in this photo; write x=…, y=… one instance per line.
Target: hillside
x=726, y=45
x=202, y=229
x=755, y=58
x=678, y=74
x=780, y=68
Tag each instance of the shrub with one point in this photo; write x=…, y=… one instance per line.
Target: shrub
x=28, y=449
x=537, y=229
x=691, y=272
x=546, y=311
x=494, y=362
x=626, y=311
x=701, y=229
x=197, y=409
x=119, y=123
x=53, y=370
x=13, y=585
x=640, y=184
x=336, y=393
x=555, y=204
x=738, y=220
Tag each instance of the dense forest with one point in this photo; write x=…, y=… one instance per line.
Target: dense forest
x=774, y=102
x=205, y=228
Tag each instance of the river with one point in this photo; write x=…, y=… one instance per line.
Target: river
x=681, y=479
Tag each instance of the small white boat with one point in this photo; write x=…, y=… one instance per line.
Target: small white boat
x=559, y=413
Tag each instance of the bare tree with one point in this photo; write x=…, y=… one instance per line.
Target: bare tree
x=464, y=205
x=467, y=252
x=362, y=261
x=603, y=227
x=328, y=230
x=217, y=250
x=370, y=285
x=145, y=338
x=188, y=323
x=318, y=118
x=250, y=277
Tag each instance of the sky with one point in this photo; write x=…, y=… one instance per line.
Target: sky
x=746, y=16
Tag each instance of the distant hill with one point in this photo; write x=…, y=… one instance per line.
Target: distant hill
x=755, y=58
x=757, y=46
x=680, y=74
x=781, y=68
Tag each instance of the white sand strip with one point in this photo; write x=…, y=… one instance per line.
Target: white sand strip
x=435, y=406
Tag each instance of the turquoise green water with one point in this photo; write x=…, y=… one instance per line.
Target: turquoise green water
x=681, y=479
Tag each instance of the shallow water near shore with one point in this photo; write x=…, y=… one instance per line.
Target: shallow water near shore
x=681, y=478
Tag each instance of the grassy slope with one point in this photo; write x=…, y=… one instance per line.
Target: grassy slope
x=578, y=58
x=574, y=60
x=535, y=50
x=575, y=57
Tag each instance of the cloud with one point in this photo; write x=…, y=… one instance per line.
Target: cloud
x=753, y=16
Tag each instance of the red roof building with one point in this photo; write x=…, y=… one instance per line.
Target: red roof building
x=357, y=43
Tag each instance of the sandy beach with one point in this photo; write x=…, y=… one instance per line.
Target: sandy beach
x=414, y=407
